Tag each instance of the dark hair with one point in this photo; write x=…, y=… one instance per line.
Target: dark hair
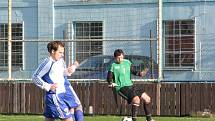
x=54, y=45
x=118, y=52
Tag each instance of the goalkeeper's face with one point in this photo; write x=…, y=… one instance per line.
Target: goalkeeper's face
x=119, y=58
x=59, y=53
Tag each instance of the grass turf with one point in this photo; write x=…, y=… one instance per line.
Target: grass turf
x=100, y=118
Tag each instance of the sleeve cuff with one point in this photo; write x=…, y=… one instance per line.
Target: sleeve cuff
x=47, y=87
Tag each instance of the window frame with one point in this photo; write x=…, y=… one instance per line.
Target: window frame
x=17, y=34
x=92, y=35
x=180, y=66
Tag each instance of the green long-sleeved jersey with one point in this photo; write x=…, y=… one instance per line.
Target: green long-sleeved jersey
x=121, y=73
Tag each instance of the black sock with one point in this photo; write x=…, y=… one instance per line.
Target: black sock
x=134, y=111
x=147, y=109
x=148, y=118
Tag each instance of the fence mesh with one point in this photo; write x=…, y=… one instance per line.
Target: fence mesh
x=88, y=28
x=98, y=27
x=93, y=57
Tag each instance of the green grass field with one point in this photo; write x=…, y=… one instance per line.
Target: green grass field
x=99, y=118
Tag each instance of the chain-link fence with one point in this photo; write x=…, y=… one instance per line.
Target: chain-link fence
x=94, y=57
x=88, y=28
x=94, y=29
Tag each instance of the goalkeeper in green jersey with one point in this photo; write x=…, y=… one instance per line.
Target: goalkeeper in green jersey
x=119, y=78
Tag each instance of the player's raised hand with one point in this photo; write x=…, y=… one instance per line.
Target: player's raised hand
x=76, y=64
x=71, y=68
x=144, y=72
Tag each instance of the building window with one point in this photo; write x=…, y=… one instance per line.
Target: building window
x=179, y=38
x=17, y=57
x=90, y=35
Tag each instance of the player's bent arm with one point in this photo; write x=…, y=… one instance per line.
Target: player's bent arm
x=109, y=77
x=139, y=73
x=133, y=71
x=39, y=73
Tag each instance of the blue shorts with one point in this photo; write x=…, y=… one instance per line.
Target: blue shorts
x=57, y=106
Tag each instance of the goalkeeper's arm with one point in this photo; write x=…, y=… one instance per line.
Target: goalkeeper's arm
x=139, y=73
x=133, y=71
x=110, y=79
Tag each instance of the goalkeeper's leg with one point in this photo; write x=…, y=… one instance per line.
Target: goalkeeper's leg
x=135, y=106
x=147, y=106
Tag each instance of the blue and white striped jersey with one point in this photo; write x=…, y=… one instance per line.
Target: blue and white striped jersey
x=50, y=72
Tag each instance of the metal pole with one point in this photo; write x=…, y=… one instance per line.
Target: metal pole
x=14, y=87
x=9, y=40
x=160, y=77
x=160, y=40
x=151, y=56
x=72, y=43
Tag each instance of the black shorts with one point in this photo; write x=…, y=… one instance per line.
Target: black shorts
x=129, y=92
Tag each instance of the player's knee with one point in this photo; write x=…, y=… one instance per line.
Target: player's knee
x=146, y=97
x=79, y=108
x=136, y=100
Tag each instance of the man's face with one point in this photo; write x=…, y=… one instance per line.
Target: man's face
x=119, y=59
x=56, y=55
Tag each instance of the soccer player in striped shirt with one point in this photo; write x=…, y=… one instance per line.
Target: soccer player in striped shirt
x=61, y=101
